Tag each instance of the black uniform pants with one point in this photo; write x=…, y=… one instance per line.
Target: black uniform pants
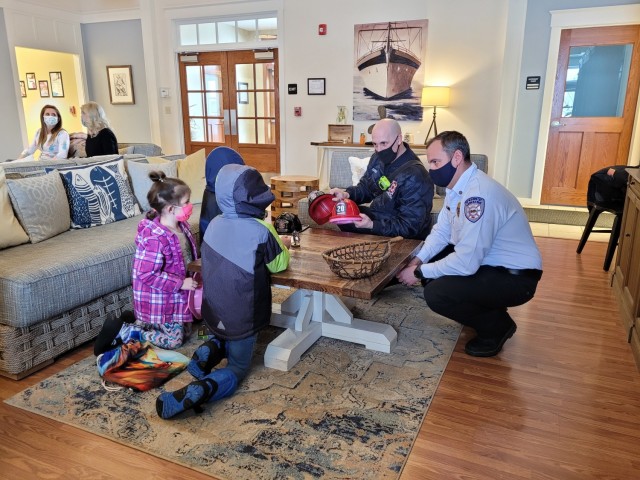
x=480, y=301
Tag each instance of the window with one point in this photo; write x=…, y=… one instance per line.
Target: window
x=224, y=31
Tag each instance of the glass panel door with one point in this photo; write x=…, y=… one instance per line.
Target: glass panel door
x=230, y=98
x=597, y=78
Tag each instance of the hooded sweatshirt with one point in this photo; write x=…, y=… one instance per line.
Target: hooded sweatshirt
x=218, y=158
x=239, y=252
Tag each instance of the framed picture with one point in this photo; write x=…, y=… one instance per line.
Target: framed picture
x=120, y=85
x=43, y=86
x=23, y=91
x=243, y=95
x=341, y=133
x=316, y=86
x=31, y=81
x=56, y=84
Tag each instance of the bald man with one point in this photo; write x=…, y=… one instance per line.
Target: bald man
x=396, y=184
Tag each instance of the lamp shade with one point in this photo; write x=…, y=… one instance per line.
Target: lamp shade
x=435, y=97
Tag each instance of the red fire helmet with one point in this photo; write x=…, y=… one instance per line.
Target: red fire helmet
x=320, y=206
x=345, y=211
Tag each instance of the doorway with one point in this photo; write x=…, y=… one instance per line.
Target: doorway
x=593, y=110
x=231, y=99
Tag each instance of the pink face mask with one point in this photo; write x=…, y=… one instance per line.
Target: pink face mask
x=185, y=212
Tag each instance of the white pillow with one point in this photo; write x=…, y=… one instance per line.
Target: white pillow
x=140, y=181
x=358, y=167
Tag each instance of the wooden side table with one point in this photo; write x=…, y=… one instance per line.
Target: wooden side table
x=289, y=189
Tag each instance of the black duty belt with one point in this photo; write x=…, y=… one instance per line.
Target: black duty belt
x=525, y=272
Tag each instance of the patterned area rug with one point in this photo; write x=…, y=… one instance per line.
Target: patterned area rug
x=341, y=412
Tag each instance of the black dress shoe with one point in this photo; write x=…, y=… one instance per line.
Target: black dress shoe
x=488, y=347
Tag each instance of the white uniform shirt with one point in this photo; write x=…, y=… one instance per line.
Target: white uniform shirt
x=487, y=226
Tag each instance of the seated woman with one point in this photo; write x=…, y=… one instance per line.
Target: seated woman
x=100, y=139
x=51, y=139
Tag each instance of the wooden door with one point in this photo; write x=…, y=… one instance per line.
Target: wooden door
x=231, y=99
x=593, y=109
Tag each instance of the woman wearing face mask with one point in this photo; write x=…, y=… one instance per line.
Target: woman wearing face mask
x=51, y=139
x=100, y=139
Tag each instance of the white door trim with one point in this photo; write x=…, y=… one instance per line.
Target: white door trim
x=578, y=18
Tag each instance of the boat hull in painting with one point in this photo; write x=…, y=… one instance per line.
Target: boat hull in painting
x=388, y=78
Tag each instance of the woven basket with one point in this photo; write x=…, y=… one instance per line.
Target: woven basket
x=359, y=260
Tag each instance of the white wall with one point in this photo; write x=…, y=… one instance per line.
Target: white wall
x=453, y=43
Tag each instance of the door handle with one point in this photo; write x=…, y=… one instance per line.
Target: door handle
x=556, y=123
x=225, y=121
x=234, y=117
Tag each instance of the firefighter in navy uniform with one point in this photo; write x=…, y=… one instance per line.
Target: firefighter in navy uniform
x=398, y=186
x=481, y=255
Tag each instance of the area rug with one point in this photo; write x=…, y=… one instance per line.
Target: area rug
x=341, y=412
x=566, y=217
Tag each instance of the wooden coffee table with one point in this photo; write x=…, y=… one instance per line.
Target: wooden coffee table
x=315, y=309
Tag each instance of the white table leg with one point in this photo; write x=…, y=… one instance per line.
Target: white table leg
x=308, y=315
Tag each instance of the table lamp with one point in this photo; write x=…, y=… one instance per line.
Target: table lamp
x=434, y=97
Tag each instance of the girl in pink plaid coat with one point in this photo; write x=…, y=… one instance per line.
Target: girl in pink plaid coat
x=164, y=247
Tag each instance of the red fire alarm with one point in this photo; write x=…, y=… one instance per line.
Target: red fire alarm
x=322, y=29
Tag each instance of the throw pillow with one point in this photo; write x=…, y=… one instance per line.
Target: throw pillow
x=139, y=174
x=41, y=205
x=358, y=167
x=191, y=172
x=11, y=233
x=98, y=194
x=126, y=150
x=156, y=160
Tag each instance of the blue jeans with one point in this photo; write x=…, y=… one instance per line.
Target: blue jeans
x=239, y=354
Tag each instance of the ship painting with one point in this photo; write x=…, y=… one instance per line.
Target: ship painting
x=388, y=56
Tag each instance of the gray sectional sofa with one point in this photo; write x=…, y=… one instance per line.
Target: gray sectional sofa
x=57, y=293
x=340, y=176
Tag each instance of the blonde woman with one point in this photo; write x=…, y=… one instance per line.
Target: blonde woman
x=51, y=139
x=100, y=139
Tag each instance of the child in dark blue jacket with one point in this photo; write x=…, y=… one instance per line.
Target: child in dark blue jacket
x=239, y=252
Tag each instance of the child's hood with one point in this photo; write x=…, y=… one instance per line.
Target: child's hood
x=241, y=192
x=217, y=159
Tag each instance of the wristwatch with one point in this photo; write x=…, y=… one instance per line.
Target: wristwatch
x=418, y=273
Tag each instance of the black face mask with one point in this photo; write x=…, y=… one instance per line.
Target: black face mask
x=388, y=155
x=442, y=176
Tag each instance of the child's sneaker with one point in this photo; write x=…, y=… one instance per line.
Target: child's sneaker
x=170, y=404
x=206, y=356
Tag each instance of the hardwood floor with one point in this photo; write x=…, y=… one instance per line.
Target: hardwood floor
x=562, y=400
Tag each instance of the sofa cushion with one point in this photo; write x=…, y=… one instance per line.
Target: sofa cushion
x=40, y=203
x=41, y=281
x=99, y=194
x=11, y=233
x=191, y=172
x=139, y=174
x=146, y=149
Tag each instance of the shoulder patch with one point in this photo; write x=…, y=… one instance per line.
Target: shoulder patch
x=474, y=208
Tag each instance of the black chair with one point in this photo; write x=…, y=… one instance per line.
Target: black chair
x=606, y=193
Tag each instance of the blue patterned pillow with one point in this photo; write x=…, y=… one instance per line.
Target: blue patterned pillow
x=98, y=194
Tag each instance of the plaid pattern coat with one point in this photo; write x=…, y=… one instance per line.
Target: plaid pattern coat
x=158, y=273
